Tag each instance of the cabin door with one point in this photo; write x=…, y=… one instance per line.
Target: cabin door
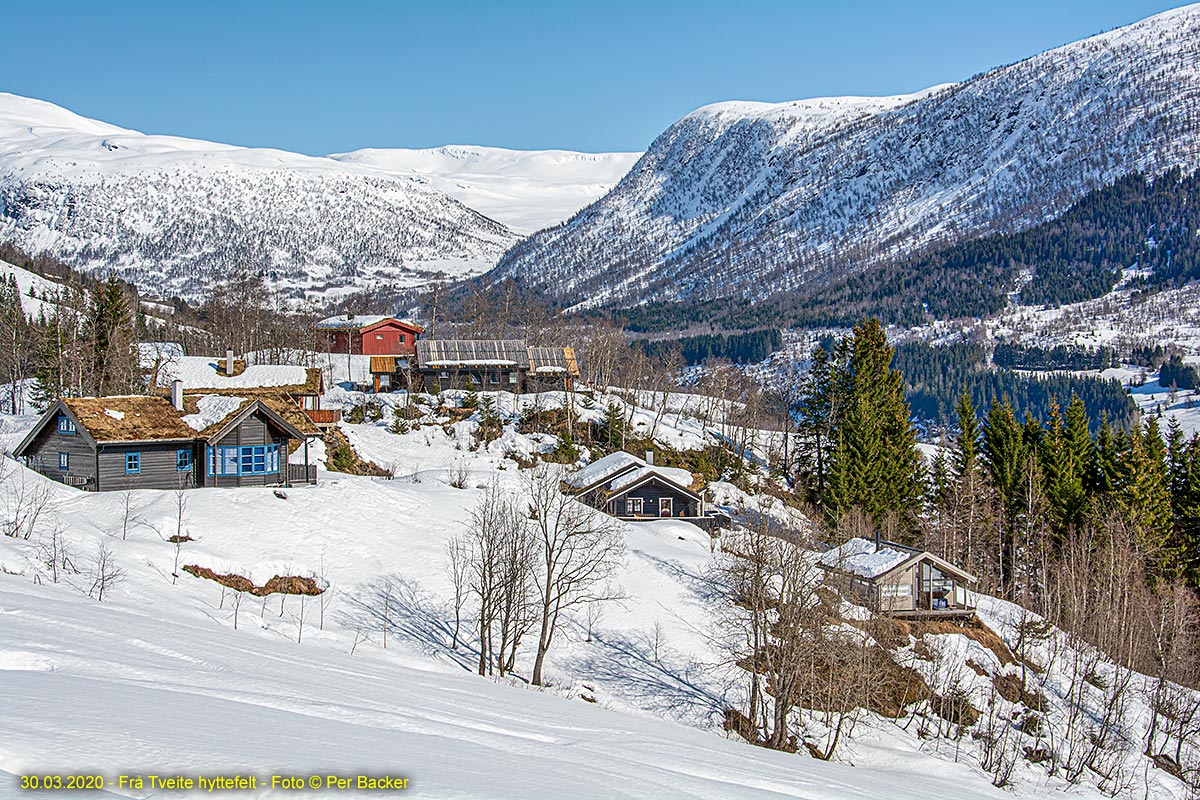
x=664, y=506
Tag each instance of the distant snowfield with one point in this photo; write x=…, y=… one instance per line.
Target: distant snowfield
x=170, y=212
x=526, y=190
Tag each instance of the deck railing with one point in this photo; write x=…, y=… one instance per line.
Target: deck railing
x=324, y=416
x=300, y=474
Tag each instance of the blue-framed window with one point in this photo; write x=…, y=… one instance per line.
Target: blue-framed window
x=133, y=463
x=183, y=460
x=65, y=425
x=253, y=460
x=64, y=462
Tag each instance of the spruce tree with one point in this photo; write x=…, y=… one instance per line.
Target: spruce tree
x=876, y=466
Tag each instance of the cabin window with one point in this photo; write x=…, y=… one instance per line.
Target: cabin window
x=385, y=381
x=379, y=337
x=65, y=425
x=133, y=463
x=664, y=506
x=512, y=377
x=183, y=460
x=254, y=460
x=402, y=338
x=64, y=461
x=895, y=590
x=633, y=506
x=443, y=374
x=494, y=378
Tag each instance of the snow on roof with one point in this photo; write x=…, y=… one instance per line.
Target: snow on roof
x=861, y=557
x=604, y=467
x=623, y=469
x=473, y=362
x=351, y=321
x=680, y=477
x=117, y=415
x=202, y=372
x=212, y=409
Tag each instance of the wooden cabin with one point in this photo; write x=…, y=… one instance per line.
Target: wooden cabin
x=486, y=364
x=369, y=335
x=633, y=489
x=495, y=365
x=901, y=581
x=149, y=442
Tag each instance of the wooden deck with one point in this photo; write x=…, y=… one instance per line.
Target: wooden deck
x=925, y=613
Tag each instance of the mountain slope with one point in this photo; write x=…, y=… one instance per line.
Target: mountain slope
x=750, y=200
x=527, y=190
x=171, y=213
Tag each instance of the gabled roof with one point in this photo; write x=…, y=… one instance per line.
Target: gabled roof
x=620, y=471
x=203, y=375
x=863, y=558
x=134, y=418
x=627, y=482
x=552, y=360
x=284, y=414
x=145, y=418
x=401, y=323
x=435, y=353
x=363, y=322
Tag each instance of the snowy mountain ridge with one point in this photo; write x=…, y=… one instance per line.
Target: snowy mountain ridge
x=172, y=212
x=751, y=199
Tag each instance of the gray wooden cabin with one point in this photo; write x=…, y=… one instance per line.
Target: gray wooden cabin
x=144, y=442
x=493, y=365
x=901, y=581
x=633, y=489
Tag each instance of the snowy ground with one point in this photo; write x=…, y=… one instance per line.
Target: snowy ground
x=307, y=686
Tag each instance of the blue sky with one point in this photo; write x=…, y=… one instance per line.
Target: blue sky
x=595, y=76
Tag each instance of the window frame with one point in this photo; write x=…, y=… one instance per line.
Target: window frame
x=235, y=461
x=134, y=458
x=183, y=460
x=634, y=506
x=66, y=425
x=64, y=461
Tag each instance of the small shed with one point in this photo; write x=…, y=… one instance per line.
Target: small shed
x=901, y=581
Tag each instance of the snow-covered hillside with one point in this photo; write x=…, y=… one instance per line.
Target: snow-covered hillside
x=183, y=676
x=754, y=199
x=171, y=213
x=527, y=190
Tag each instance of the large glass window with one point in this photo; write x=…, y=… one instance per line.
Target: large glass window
x=251, y=460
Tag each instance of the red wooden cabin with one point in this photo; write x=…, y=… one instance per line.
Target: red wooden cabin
x=370, y=335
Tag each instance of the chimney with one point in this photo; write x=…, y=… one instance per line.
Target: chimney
x=877, y=540
x=177, y=394
x=650, y=457
x=229, y=362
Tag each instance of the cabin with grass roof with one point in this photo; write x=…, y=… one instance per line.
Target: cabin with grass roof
x=107, y=444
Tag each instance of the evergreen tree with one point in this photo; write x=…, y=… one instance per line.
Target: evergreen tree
x=876, y=466
x=612, y=428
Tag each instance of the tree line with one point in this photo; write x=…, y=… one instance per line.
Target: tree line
x=747, y=347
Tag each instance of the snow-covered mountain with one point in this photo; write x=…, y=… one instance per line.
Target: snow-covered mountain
x=751, y=199
x=527, y=190
x=169, y=213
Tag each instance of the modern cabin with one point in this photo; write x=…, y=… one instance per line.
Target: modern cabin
x=633, y=489
x=901, y=581
x=149, y=442
x=369, y=335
